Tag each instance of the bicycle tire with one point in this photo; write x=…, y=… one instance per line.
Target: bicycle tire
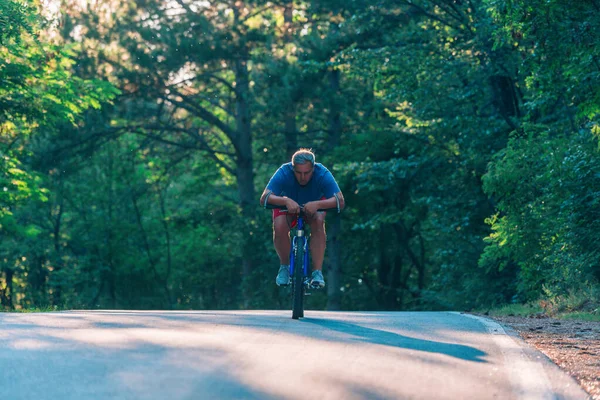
x=298, y=281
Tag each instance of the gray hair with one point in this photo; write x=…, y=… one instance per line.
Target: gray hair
x=303, y=156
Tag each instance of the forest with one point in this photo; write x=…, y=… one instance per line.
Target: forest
x=136, y=138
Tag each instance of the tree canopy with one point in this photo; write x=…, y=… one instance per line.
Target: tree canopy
x=137, y=137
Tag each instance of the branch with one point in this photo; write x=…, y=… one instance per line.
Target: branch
x=211, y=75
x=165, y=141
x=175, y=85
x=105, y=134
x=190, y=132
x=202, y=113
x=216, y=104
x=222, y=80
x=428, y=14
x=204, y=146
x=452, y=11
x=279, y=131
x=185, y=6
x=260, y=10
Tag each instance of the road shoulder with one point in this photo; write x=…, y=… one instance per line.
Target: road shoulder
x=574, y=346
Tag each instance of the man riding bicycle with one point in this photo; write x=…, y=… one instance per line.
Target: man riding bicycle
x=307, y=184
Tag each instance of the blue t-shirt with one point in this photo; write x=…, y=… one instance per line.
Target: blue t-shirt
x=321, y=184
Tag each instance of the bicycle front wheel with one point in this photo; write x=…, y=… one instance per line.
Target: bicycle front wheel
x=298, y=281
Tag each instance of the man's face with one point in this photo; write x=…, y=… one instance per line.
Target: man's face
x=303, y=173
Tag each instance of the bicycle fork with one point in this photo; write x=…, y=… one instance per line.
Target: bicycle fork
x=300, y=239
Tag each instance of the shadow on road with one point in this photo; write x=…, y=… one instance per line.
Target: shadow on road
x=385, y=338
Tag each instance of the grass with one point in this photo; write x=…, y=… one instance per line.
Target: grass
x=581, y=316
x=41, y=309
x=542, y=308
x=518, y=310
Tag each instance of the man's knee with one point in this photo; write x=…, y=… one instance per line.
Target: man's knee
x=281, y=227
x=318, y=221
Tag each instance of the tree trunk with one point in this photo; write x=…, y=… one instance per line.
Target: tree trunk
x=57, y=225
x=163, y=212
x=9, y=287
x=151, y=259
x=6, y=299
x=244, y=168
x=291, y=129
x=111, y=278
x=334, y=272
x=383, y=268
x=506, y=99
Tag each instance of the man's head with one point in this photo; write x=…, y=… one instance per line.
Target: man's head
x=303, y=162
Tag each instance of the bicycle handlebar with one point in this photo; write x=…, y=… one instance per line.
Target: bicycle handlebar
x=284, y=208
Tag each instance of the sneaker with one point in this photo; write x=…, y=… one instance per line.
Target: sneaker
x=317, y=279
x=283, y=276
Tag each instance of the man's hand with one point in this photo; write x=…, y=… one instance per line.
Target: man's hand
x=311, y=208
x=292, y=206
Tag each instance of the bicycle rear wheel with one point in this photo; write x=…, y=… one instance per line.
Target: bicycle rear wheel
x=298, y=281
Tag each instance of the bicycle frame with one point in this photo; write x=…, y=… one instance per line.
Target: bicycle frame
x=299, y=239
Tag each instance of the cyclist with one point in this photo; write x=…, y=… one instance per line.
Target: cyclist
x=301, y=182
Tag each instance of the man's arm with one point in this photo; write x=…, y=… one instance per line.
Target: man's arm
x=269, y=198
x=275, y=185
x=263, y=198
x=330, y=188
x=332, y=202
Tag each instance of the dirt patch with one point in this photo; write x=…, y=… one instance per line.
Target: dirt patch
x=573, y=345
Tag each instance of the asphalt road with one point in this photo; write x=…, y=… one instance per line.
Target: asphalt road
x=267, y=355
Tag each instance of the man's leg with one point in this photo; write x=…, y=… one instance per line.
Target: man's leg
x=281, y=240
x=317, y=240
x=281, y=237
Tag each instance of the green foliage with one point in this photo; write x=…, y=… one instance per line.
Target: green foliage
x=582, y=299
x=42, y=309
x=39, y=93
x=15, y=17
x=39, y=96
x=560, y=49
x=581, y=316
x=521, y=310
x=464, y=136
x=546, y=188
x=16, y=185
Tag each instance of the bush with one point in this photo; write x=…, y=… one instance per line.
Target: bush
x=547, y=188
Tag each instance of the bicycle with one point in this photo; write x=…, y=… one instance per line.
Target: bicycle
x=299, y=263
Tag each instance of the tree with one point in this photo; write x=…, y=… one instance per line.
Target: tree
x=545, y=181
x=38, y=95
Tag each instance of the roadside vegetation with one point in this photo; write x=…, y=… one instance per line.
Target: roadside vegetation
x=135, y=140
x=574, y=309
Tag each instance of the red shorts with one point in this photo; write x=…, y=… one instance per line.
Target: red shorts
x=277, y=212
